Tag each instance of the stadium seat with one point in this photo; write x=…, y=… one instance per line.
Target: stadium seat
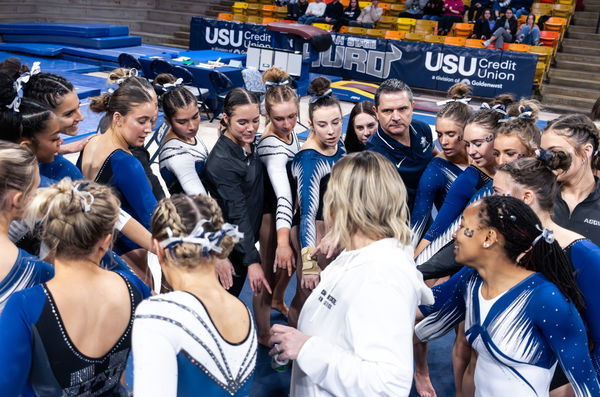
x=254, y=9
x=550, y=39
x=254, y=19
x=406, y=24
x=474, y=43
x=387, y=22
x=239, y=18
x=280, y=12
x=556, y=24
x=540, y=74
x=364, y=4
x=394, y=35
x=240, y=7
x=343, y=29
x=452, y=40
x=517, y=47
x=462, y=29
x=324, y=26
x=433, y=38
x=376, y=32
x=542, y=9
x=385, y=7
x=396, y=10
x=269, y=11
x=544, y=54
x=563, y=11
x=267, y=20
x=225, y=16
x=357, y=30
x=414, y=36
x=425, y=26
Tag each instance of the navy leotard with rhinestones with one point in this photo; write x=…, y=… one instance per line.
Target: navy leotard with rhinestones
x=38, y=359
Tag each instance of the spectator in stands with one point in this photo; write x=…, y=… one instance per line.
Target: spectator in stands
x=433, y=10
x=505, y=30
x=529, y=33
x=484, y=26
x=521, y=7
x=334, y=13
x=297, y=9
x=500, y=7
x=476, y=10
x=453, y=11
x=595, y=115
x=351, y=12
x=414, y=9
x=369, y=16
x=313, y=11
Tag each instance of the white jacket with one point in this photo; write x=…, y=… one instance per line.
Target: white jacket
x=361, y=319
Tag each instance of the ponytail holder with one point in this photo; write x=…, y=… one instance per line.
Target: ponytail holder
x=464, y=100
x=133, y=72
x=274, y=83
x=169, y=86
x=315, y=98
x=544, y=155
x=498, y=108
x=85, y=198
x=20, y=83
x=545, y=234
x=209, y=241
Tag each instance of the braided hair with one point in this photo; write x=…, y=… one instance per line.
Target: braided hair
x=47, y=88
x=520, y=226
x=581, y=130
x=181, y=213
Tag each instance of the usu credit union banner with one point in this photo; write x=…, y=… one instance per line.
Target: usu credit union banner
x=420, y=65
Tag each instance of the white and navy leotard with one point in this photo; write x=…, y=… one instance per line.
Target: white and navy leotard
x=277, y=155
x=433, y=188
x=181, y=165
x=311, y=171
x=38, y=359
x=27, y=271
x=518, y=335
x=178, y=351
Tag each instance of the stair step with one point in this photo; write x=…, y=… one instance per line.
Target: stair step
x=161, y=27
x=192, y=7
x=182, y=35
x=581, y=29
x=595, y=52
x=16, y=9
x=583, y=104
x=581, y=43
x=179, y=41
x=564, y=109
x=152, y=38
x=585, y=14
x=585, y=21
x=592, y=7
x=587, y=58
x=90, y=11
x=185, y=47
x=589, y=36
x=577, y=66
x=133, y=24
x=179, y=17
x=576, y=82
x=569, y=91
x=593, y=77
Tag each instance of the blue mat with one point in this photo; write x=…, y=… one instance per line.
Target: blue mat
x=89, y=42
x=112, y=54
x=47, y=50
x=57, y=66
x=64, y=29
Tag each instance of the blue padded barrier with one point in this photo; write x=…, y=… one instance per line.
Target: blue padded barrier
x=64, y=29
x=53, y=65
x=90, y=42
x=47, y=50
x=112, y=54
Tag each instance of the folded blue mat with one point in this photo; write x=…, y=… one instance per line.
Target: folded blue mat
x=90, y=42
x=47, y=50
x=64, y=29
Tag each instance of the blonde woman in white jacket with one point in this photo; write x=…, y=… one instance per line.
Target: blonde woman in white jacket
x=355, y=331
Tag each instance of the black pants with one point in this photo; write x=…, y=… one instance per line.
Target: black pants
x=241, y=271
x=441, y=264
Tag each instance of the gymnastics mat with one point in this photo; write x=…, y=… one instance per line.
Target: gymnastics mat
x=90, y=42
x=112, y=54
x=47, y=50
x=53, y=65
x=64, y=29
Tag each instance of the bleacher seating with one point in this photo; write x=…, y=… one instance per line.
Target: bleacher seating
x=393, y=27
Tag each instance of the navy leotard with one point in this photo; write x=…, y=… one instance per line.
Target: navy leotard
x=60, y=168
x=37, y=358
x=433, y=188
x=519, y=335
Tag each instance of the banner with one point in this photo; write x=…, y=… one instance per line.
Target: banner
x=418, y=64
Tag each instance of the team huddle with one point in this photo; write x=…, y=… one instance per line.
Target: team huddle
x=395, y=239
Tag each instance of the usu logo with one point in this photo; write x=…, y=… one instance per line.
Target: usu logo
x=451, y=64
x=224, y=37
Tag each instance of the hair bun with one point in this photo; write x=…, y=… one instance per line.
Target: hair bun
x=459, y=90
x=319, y=86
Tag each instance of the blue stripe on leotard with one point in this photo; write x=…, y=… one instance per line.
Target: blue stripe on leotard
x=433, y=188
x=311, y=171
